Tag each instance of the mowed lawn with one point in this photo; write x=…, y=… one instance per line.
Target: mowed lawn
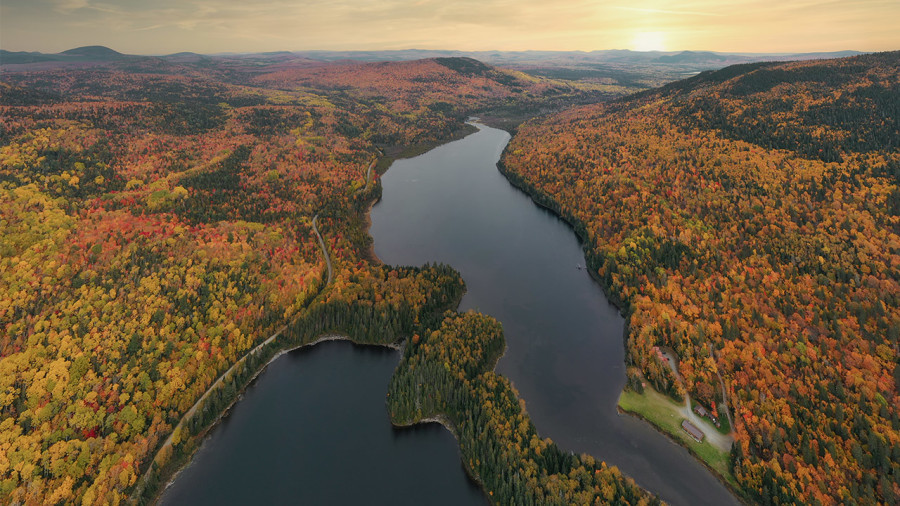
x=663, y=412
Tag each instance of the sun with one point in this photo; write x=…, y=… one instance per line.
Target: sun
x=648, y=41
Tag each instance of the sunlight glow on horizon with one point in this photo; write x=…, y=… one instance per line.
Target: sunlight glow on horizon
x=648, y=41
x=215, y=26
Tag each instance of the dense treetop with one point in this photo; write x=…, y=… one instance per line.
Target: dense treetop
x=156, y=224
x=447, y=374
x=749, y=219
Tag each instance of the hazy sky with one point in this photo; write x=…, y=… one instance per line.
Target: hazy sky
x=208, y=26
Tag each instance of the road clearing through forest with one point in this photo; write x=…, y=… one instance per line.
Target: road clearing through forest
x=715, y=438
x=221, y=379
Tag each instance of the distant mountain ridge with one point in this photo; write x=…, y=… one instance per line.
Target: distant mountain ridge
x=77, y=54
x=103, y=53
x=98, y=52
x=696, y=57
x=620, y=68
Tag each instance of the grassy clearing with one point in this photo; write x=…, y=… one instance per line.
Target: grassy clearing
x=724, y=426
x=662, y=413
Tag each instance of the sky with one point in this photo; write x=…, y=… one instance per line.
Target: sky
x=213, y=26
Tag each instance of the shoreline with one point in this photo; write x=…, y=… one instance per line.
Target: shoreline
x=615, y=300
x=442, y=420
x=387, y=160
x=367, y=221
x=205, y=434
x=140, y=485
x=534, y=195
x=199, y=439
x=738, y=494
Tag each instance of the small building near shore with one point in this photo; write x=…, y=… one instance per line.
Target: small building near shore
x=703, y=412
x=692, y=430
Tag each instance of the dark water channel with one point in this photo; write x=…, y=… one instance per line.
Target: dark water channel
x=314, y=428
x=565, y=340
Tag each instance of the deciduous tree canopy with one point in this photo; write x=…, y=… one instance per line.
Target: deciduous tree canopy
x=748, y=219
x=155, y=225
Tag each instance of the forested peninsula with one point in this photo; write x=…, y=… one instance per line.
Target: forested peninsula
x=156, y=224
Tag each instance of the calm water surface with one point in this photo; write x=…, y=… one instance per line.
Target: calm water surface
x=565, y=341
x=314, y=429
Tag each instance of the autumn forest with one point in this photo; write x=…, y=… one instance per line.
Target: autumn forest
x=748, y=219
x=170, y=225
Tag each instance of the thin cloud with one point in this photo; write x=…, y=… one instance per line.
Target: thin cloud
x=667, y=11
x=240, y=25
x=67, y=6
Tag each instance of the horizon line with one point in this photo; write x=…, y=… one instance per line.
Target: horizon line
x=293, y=51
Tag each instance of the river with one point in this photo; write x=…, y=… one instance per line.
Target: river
x=520, y=262
x=313, y=428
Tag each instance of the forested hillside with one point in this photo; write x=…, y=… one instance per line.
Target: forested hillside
x=749, y=219
x=156, y=224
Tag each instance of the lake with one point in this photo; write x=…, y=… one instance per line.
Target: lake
x=314, y=428
x=520, y=262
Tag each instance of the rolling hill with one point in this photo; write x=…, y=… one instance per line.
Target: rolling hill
x=158, y=220
x=749, y=219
